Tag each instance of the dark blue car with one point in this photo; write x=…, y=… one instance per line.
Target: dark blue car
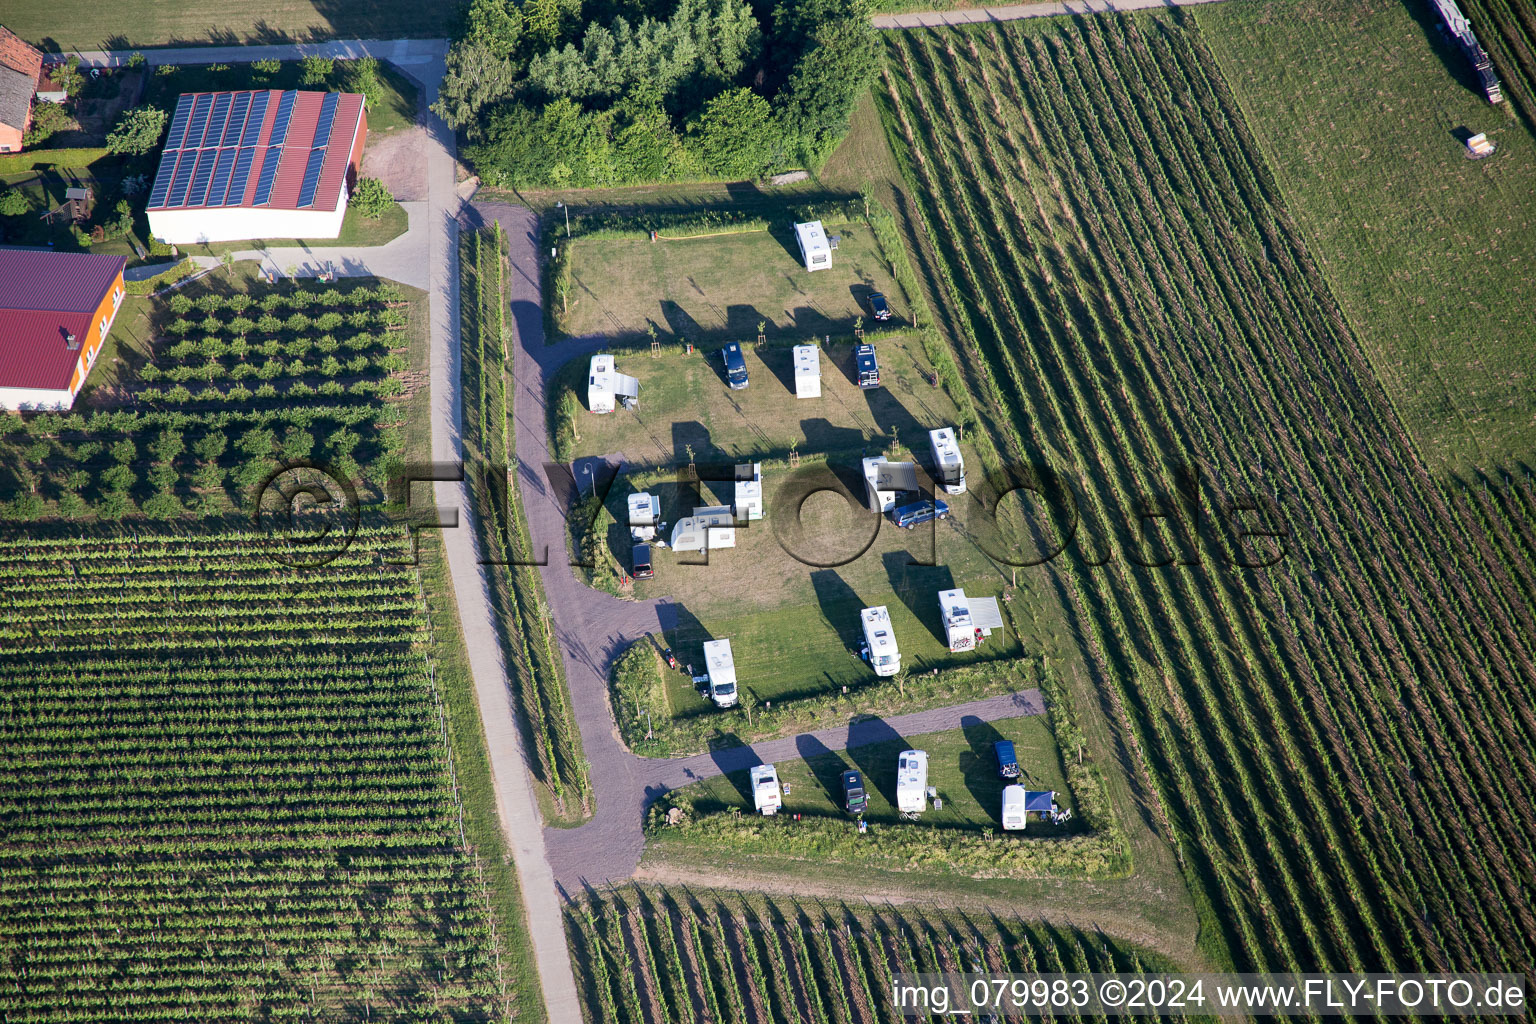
x=919, y=512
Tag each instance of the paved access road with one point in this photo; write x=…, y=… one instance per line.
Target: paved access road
x=1015, y=12
x=593, y=628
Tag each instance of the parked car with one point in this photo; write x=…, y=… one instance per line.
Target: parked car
x=879, y=307
x=735, y=366
x=640, y=560
x=854, y=797
x=1007, y=762
x=919, y=512
x=868, y=366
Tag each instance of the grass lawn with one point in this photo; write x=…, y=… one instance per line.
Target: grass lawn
x=684, y=401
x=80, y=24
x=395, y=107
x=960, y=765
x=721, y=286
x=355, y=230
x=1356, y=104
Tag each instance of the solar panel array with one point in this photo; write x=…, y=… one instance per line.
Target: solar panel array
x=211, y=149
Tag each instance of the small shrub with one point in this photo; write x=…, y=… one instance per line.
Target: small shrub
x=315, y=70
x=371, y=198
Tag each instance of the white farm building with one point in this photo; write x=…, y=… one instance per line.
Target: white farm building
x=257, y=164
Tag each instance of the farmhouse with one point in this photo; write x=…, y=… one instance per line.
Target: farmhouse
x=21, y=67
x=258, y=164
x=56, y=308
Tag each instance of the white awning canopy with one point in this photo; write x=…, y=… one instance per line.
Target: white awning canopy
x=985, y=614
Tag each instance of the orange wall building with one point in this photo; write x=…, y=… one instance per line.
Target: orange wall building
x=56, y=310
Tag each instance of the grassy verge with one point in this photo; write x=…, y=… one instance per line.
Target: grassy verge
x=356, y=230
x=543, y=703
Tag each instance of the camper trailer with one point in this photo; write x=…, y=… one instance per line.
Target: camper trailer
x=807, y=371
x=644, y=513
x=606, y=386
x=968, y=619
x=912, y=782
x=886, y=481
x=815, y=249
x=766, y=797
x=749, y=491
x=1014, y=815
x=709, y=528
x=949, y=464
x=720, y=667
x=880, y=641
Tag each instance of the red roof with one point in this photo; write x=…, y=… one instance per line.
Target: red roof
x=212, y=131
x=17, y=55
x=45, y=296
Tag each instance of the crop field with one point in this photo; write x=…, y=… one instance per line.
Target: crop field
x=79, y=24
x=1432, y=256
x=227, y=787
x=703, y=957
x=1121, y=264
x=722, y=285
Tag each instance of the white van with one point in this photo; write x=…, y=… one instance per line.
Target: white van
x=720, y=666
x=880, y=648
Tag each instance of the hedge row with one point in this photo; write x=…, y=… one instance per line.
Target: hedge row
x=174, y=272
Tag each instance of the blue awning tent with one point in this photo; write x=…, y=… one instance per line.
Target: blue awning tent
x=1039, y=801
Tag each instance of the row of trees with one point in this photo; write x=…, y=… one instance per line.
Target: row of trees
x=551, y=93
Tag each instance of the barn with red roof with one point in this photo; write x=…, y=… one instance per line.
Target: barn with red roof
x=257, y=164
x=56, y=309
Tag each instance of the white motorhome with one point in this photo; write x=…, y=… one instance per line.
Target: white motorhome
x=607, y=386
x=766, y=797
x=815, y=248
x=644, y=513
x=948, y=462
x=880, y=641
x=807, y=371
x=749, y=491
x=720, y=667
x=885, y=481
x=1014, y=803
x=912, y=782
x=968, y=619
x=709, y=528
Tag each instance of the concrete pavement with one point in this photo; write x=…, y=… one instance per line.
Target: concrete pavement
x=399, y=259
x=396, y=51
x=1015, y=12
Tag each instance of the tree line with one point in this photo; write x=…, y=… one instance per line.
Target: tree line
x=567, y=93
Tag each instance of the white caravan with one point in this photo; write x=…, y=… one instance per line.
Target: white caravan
x=947, y=460
x=708, y=529
x=807, y=371
x=884, y=481
x=749, y=491
x=1014, y=803
x=606, y=386
x=912, y=782
x=766, y=797
x=644, y=513
x=720, y=667
x=815, y=249
x=880, y=641
x=968, y=619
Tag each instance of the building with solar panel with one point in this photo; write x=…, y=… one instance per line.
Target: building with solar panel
x=259, y=164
